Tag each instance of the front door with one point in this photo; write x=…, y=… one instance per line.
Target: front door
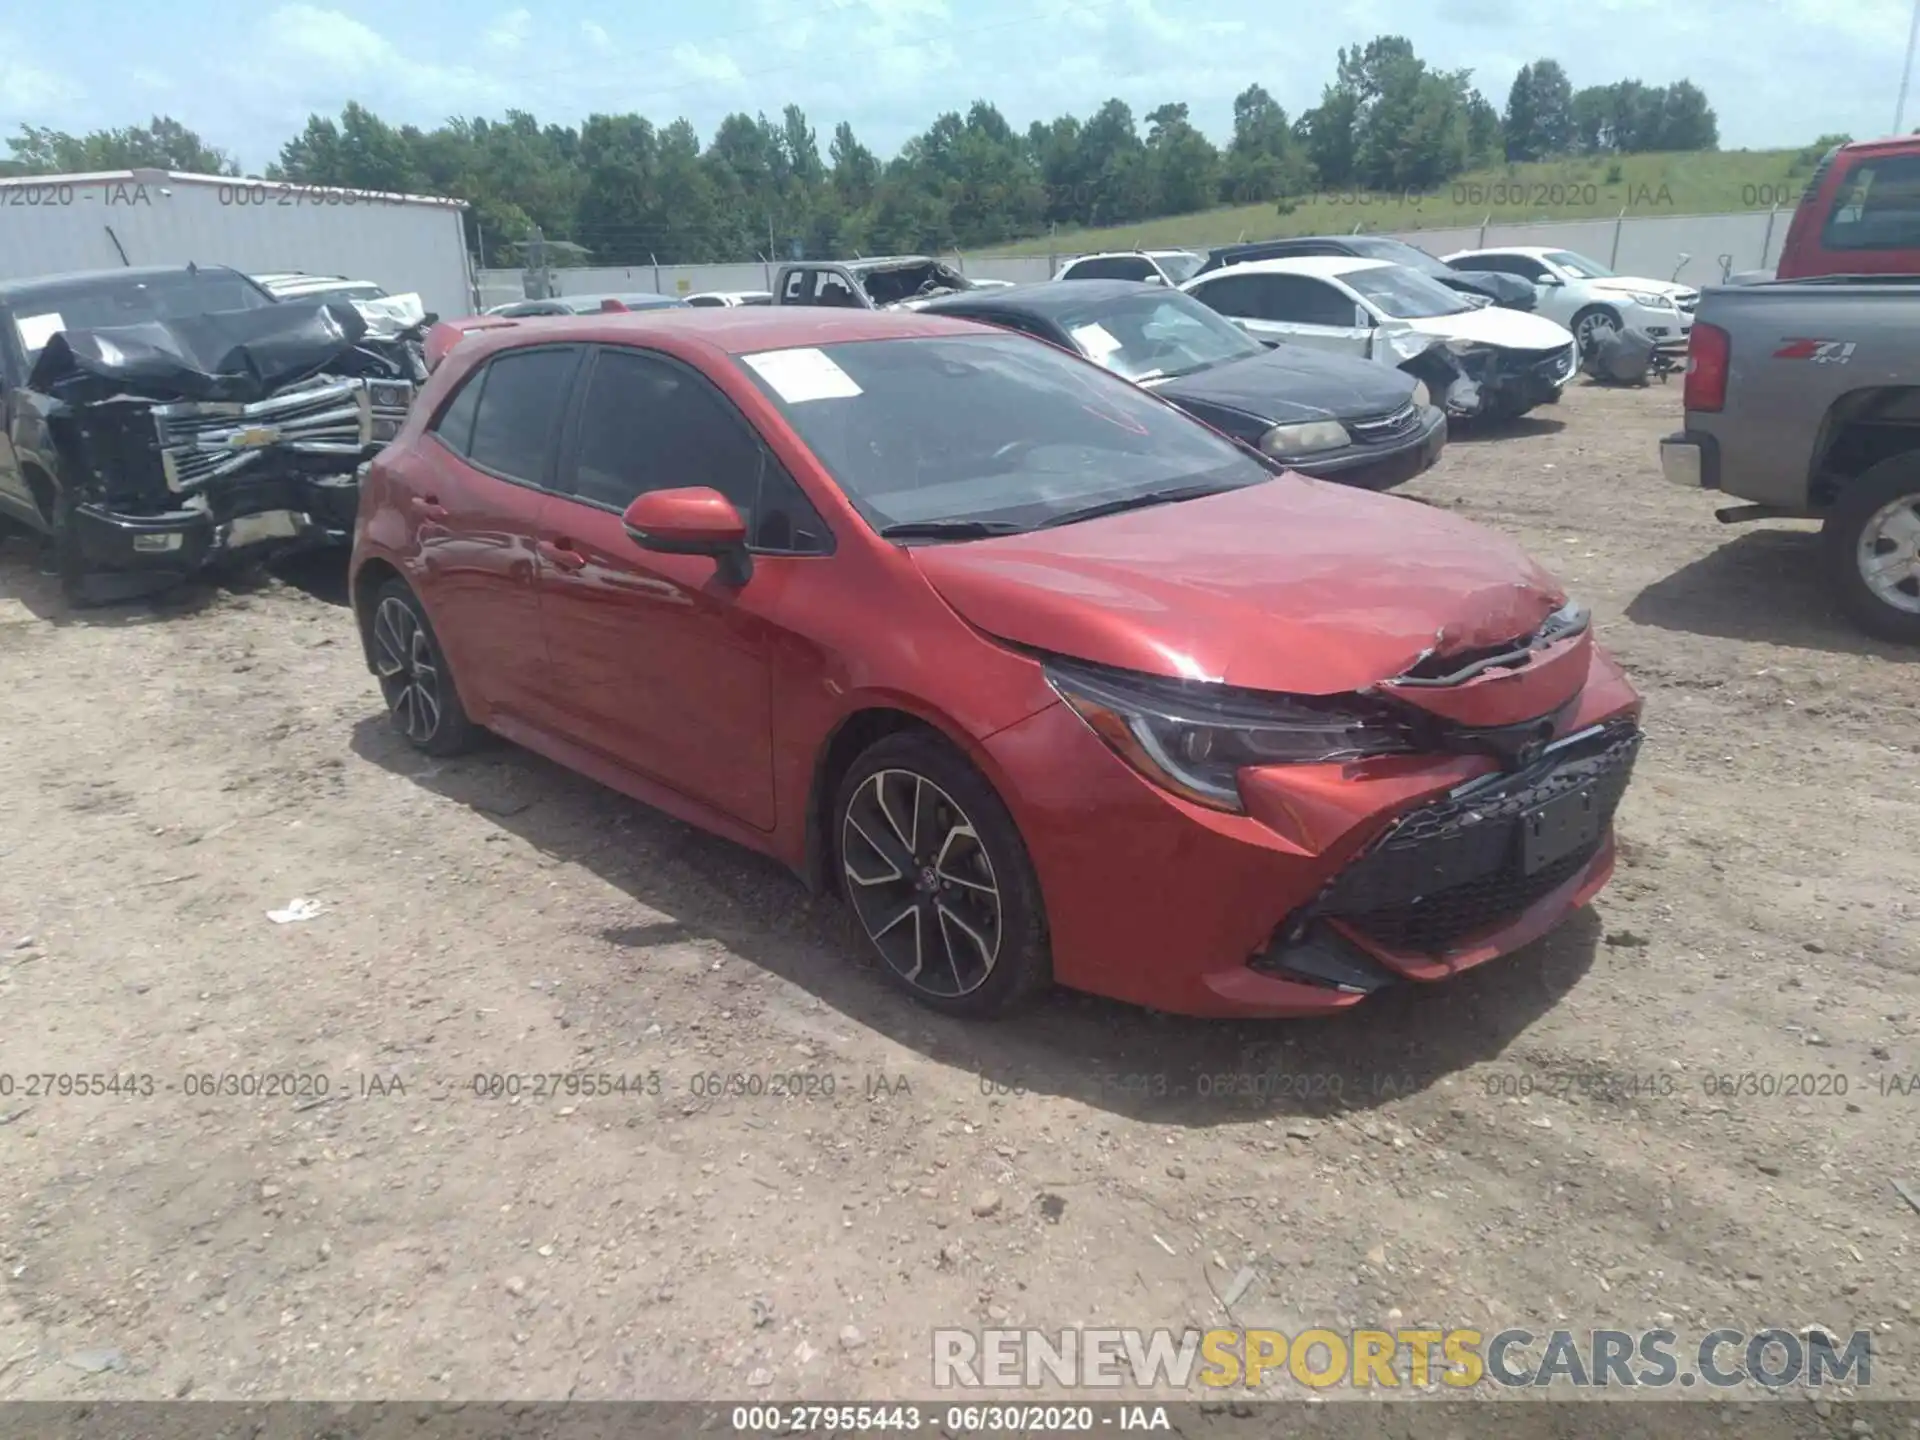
x=661, y=665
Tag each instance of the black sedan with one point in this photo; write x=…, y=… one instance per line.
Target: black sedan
x=1329, y=416
x=1509, y=292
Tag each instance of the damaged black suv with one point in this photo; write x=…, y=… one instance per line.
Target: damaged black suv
x=160, y=421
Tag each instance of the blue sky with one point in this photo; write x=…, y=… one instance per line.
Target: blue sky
x=1779, y=72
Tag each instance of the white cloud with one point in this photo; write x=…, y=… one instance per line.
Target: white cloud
x=710, y=64
x=596, y=35
x=306, y=60
x=28, y=90
x=510, y=31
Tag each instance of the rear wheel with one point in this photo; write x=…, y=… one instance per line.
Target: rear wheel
x=414, y=677
x=938, y=879
x=1872, y=541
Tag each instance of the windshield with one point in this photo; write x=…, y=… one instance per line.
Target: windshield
x=1155, y=336
x=1579, y=266
x=131, y=301
x=989, y=428
x=1404, y=294
x=1181, y=266
x=1399, y=252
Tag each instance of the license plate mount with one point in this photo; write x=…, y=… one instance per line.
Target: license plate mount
x=1557, y=828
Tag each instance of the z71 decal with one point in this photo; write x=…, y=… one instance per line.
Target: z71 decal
x=1821, y=352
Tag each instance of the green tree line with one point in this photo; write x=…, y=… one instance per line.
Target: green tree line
x=628, y=191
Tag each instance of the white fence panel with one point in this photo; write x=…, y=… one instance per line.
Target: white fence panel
x=1648, y=245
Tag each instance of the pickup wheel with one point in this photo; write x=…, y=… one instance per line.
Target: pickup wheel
x=1872, y=541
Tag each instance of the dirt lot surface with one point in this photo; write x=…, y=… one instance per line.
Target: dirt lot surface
x=1535, y=1144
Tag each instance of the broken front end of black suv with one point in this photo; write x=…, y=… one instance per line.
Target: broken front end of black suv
x=211, y=440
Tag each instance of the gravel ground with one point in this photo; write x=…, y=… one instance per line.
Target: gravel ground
x=1535, y=1144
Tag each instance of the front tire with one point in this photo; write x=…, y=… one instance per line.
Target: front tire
x=1872, y=543
x=1590, y=323
x=415, y=679
x=938, y=880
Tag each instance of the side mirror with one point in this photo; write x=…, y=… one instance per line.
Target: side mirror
x=1552, y=282
x=696, y=521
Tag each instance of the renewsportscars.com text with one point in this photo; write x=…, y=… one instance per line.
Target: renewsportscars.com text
x=1456, y=1359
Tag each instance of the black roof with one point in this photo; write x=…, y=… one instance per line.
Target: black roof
x=1048, y=299
x=44, y=285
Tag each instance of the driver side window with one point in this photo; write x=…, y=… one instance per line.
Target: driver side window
x=648, y=424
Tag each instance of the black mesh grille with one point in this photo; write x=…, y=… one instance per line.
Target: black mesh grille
x=1436, y=921
x=1454, y=868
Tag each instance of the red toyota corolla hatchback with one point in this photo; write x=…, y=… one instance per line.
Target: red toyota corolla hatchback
x=1052, y=682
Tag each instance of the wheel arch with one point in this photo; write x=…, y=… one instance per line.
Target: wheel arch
x=859, y=728
x=368, y=581
x=1862, y=429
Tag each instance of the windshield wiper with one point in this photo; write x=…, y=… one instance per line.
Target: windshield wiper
x=948, y=529
x=1134, y=502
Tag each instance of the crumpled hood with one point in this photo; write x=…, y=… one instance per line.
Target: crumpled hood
x=1509, y=329
x=230, y=355
x=1293, y=384
x=1296, y=585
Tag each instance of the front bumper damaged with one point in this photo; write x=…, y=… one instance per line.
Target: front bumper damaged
x=177, y=454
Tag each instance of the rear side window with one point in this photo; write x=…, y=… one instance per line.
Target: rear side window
x=455, y=425
x=1877, y=206
x=518, y=411
x=1236, y=295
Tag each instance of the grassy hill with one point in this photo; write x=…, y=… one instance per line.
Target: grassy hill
x=1693, y=183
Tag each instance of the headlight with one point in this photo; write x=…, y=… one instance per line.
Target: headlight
x=1194, y=738
x=1652, y=302
x=1284, y=442
x=1421, y=395
x=390, y=396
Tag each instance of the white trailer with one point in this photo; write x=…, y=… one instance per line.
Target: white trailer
x=54, y=224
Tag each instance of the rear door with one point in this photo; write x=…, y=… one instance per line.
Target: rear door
x=1292, y=309
x=477, y=490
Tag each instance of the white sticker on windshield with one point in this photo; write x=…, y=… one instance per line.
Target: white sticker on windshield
x=800, y=375
x=1095, y=340
x=36, y=330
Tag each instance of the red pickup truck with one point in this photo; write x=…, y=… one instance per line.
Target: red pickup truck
x=1860, y=214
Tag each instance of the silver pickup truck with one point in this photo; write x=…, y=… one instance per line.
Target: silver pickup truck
x=1803, y=399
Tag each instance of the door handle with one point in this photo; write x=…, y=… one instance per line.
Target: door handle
x=561, y=555
x=428, y=507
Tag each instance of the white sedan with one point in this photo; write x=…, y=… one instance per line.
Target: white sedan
x=1587, y=297
x=1387, y=312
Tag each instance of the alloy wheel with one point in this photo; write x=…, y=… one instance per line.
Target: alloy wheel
x=1591, y=327
x=409, y=678
x=1888, y=554
x=921, y=882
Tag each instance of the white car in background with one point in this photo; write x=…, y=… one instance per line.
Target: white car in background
x=1375, y=309
x=710, y=299
x=1587, y=297
x=1154, y=267
x=298, y=285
